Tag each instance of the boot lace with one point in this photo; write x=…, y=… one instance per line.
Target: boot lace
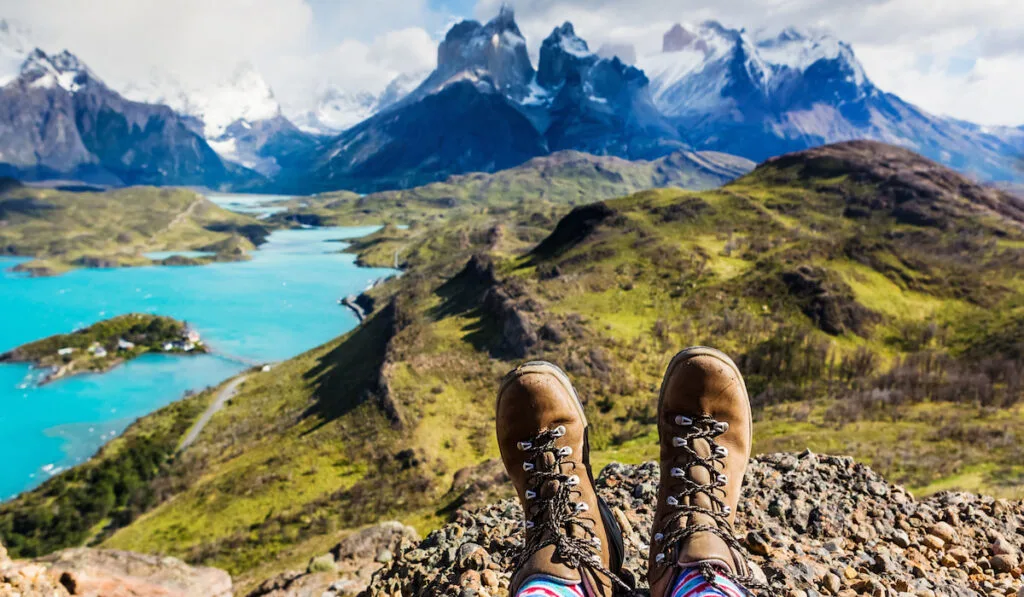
x=707, y=428
x=550, y=519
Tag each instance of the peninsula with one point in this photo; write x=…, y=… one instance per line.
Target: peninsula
x=105, y=345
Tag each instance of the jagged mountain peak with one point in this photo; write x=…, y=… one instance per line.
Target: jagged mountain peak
x=492, y=56
x=64, y=70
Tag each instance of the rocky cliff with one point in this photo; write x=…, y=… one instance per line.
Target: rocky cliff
x=108, y=573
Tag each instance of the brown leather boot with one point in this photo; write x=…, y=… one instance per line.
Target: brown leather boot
x=704, y=426
x=571, y=535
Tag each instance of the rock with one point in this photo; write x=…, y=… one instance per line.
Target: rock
x=1004, y=562
x=1002, y=547
x=812, y=522
x=112, y=573
x=944, y=531
x=933, y=542
x=832, y=583
x=3, y=554
x=384, y=556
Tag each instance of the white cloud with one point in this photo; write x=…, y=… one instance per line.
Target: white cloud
x=948, y=56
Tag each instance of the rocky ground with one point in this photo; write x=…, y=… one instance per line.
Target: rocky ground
x=816, y=525
x=108, y=573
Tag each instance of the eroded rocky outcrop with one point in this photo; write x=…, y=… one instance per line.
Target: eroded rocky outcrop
x=348, y=568
x=108, y=573
x=816, y=525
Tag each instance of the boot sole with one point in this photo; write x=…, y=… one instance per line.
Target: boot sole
x=614, y=532
x=705, y=351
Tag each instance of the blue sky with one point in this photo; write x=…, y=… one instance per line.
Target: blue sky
x=951, y=57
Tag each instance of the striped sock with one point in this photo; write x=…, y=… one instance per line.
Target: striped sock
x=691, y=583
x=540, y=587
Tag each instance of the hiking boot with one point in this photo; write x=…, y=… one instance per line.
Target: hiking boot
x=571, y=536
x=704, y=428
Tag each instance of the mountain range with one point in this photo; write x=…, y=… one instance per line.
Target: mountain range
x=486, y=107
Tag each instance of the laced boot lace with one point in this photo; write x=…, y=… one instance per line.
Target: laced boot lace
x=552, y=516
x=682, y=503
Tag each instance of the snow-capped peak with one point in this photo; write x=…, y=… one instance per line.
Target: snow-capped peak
x=800, y=49
x=62, y=70
x=243, y=96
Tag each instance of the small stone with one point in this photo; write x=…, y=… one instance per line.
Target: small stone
x=489, y=579
x=1002, y=547
x=384, y=556
x=933, y=542
x=758, y=545
x=850, y=573
x=901, y=538
x=832, y=583
x=944, y=531
x=472, y=557
x=470, y=579
x=1004, y=563
x=948, y=561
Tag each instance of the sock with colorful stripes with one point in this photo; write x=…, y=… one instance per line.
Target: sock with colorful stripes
x=691, y=583
x=542, y=587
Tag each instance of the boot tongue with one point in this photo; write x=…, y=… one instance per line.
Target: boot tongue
x=704, y=546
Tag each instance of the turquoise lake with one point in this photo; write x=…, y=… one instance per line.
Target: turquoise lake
x=280, y=304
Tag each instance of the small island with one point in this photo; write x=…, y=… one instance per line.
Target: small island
x=105, y=345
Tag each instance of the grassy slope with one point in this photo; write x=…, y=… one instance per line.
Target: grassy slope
x=565, y=178
x=375, y=424
x=60, y=228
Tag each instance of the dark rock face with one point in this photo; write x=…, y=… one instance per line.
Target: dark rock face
x=573, y=229
x=828, y=302
x=60, y=120
x=458, y=129
x=814, y=524
x=601, y=106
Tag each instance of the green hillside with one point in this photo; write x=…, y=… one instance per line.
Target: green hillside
x=874, y=301
x=563, y=178
x=62, y=230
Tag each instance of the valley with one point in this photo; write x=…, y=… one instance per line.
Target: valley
x=872, y=298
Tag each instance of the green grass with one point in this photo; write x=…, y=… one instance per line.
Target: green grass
x=114, y=228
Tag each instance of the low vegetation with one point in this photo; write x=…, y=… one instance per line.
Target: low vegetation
x=63, y=230
x=874, y=315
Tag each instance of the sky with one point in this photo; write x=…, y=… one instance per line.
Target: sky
x=954, y=57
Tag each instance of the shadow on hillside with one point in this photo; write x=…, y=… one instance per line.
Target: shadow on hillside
x=350, y=375
x=466, y=295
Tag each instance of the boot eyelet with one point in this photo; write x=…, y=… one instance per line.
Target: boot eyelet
x=530, y=524
x=558, y=431
x=678, y=473
x=573, y=481
x=721, y=427
x=660, y=558
x=679, y=442
x=726, y=510
x=528, y=466
x=565, y=451
x=721, y=451
x=672, y=501
x=659, y=537
x=524, y=446
x=582, y=507
x=530, y=494
x=723, y=478
x=596, y=541
x=684, y=421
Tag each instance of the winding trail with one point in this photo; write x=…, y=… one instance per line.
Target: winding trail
x=226, y=394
